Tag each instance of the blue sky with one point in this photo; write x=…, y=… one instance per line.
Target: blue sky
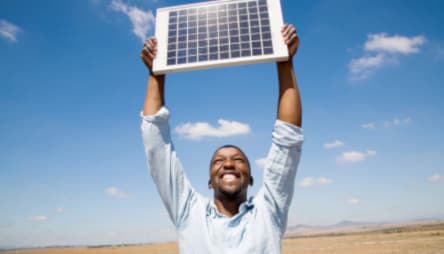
x=72, y=167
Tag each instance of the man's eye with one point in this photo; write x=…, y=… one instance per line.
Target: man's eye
x=217, y=161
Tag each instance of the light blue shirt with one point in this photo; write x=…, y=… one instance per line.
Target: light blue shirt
x=261, y=222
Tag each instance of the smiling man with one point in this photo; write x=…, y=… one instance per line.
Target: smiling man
x=228, y=223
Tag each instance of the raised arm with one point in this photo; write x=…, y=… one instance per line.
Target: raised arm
x=289, y=104
x=154, y=98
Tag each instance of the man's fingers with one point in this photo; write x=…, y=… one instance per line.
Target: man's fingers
x=289, y=33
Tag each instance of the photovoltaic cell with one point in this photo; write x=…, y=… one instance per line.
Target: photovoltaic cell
x=217, y=31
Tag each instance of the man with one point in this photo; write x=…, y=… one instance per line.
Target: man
x=230, y=223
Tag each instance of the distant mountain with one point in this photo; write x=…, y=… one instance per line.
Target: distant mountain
x=349, y=226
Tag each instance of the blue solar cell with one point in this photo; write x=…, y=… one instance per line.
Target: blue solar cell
x=172, y=20
x=172, y=40
x=267, y=44
x=203, y=51
x=171, y=54
x=203, y=43
x=223, y=40
x=257, y=52
x=268, y=51
x=213, y=56
x=203, y=58
x=181, y=60
x=245, y=45
x=223, y=33
x=223, y=48
x=171, y=61
x=172, y=46
x=192, y=59
x=246, y=53
x=235, y=54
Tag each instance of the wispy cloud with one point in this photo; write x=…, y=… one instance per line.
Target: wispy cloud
x=60, y=210
x=362, y=67
x=116, y=193
x=39, y=218
x=369, y=126
x=142, y=21
x=261, y=162
x=336, y=143
x=309, y=181
x=383, y=49
x=8, y=30
x=355, y=156
x=397, y=122
x=436, y=178
x=353, y=201
x=199, y=130
x=394, y=44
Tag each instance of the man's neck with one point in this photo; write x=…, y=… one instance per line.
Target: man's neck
x=227, y=207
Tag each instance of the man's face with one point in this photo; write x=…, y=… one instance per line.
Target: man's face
x=229, y=173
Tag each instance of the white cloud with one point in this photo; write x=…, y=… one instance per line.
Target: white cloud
x=355, y=156
x=436, y=178
x=368, y=126
x=142, y=21
x=336, y=143
x=116, y=193
x=361, y=68
x=309, y=181
x=394, y=44
x=40, y=218
x=261, y=162
x=60, y=209
x=353, y=201
x=382, y=49
x=201, y=129
x=397, y=122
x=8, y=30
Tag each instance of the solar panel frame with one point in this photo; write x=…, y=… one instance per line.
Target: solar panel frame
x=210, y=29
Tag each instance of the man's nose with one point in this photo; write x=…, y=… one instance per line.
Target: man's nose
x=229, y=164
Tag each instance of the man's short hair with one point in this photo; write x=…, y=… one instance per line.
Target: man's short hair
x=235, y=147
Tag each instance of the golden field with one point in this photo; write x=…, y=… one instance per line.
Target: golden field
x=420, y=239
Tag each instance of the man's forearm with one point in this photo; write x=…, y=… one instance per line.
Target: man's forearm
x=289, y=105
x=154, y=98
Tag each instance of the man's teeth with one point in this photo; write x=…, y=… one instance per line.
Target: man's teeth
x=229, y=177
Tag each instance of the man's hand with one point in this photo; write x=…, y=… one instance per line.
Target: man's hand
x=290, y=38
x=149, y=52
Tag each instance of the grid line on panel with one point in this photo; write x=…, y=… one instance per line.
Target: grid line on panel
x=219, y=32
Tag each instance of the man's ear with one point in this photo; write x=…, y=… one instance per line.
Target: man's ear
x=209, y=184
x=251, y=181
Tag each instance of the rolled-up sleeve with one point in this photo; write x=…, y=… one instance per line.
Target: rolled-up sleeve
x=165, y=168
x=280, y=169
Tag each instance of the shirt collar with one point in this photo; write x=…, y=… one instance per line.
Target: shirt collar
x=243, y=208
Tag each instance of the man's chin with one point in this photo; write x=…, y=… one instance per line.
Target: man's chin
x=230, y=193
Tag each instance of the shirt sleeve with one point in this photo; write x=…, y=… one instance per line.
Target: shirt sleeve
x=280, y=169
x=164, y=166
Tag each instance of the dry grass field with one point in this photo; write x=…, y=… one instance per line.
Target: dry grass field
x=406, y=240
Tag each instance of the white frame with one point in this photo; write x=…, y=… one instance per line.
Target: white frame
x=280, y=51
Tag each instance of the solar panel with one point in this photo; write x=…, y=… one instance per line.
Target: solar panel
x=218, y=33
